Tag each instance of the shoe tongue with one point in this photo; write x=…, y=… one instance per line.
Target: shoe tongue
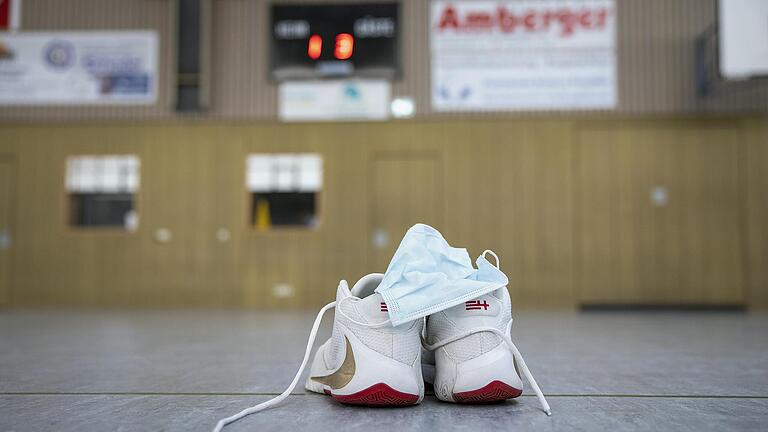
x=366, y=285
x=371, y=304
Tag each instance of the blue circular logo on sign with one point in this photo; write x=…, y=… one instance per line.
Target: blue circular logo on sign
x=59, y=54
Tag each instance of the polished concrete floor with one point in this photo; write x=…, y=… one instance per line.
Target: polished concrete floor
x=183, y=370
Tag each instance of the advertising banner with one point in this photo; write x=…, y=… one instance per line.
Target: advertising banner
x=69, y=68
x=523, y=55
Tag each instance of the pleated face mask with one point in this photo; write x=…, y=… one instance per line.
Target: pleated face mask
x=427, y=275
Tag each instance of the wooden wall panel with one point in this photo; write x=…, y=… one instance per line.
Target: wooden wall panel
x=195, y=200
x=7, y=211
x=535, y=212
x=687, y=251
x=406, y=188
x=563, y=202
x=756, y=209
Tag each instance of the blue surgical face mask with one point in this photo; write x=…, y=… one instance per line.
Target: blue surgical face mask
x=427, y=275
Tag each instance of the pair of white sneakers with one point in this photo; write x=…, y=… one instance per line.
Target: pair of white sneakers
x=465, y=352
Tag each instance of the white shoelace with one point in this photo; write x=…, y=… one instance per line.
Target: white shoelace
x=515, y=352
x=276, y=400
x=310, y=343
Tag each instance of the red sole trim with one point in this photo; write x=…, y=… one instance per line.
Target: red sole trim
x=493, y=392
x=378, y=395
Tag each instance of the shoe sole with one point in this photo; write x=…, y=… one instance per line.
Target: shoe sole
x=377, y=395
x=495, y=391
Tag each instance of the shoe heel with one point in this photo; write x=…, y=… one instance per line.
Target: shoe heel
x=378, y=380
x=491, y=377
x=495, y=391
x=378, y=395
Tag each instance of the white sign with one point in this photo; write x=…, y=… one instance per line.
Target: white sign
x=523, y=55
x=42, y=68
x=334, y=100
x=743, y=38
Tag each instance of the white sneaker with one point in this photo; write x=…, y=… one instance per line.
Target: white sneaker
x=362, y=364
x=366, y=361
x=470, y=357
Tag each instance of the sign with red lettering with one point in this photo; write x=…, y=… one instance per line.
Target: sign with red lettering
x=5, y=14
x=523, y=55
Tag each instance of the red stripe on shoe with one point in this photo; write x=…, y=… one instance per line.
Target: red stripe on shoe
x=493, y=392
x=378, y=395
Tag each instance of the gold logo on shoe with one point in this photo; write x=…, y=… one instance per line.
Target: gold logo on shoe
x=343, y=374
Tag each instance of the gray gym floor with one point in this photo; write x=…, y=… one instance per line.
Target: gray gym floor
x=182, y=371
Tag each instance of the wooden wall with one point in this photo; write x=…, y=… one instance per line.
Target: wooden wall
x=565, y=203
x=686, y=250
x=755, y=166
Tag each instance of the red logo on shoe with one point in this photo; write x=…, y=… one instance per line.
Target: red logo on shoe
x=384, y=307
x=476, y=305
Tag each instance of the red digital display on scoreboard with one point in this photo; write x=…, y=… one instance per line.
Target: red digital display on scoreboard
x=315, y=40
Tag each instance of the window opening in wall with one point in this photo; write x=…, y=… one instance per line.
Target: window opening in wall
x=284, y=189
x=101, y=191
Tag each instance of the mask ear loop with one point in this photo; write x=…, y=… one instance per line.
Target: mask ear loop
x=493, y=254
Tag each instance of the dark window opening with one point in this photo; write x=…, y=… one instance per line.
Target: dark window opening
x=283, y=209
x=102, y=210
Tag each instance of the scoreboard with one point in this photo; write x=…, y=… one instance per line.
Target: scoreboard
x=311, y=41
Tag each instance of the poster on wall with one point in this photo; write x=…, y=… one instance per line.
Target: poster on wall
x=77, y=68
x=328, y=100
x=523, y=55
